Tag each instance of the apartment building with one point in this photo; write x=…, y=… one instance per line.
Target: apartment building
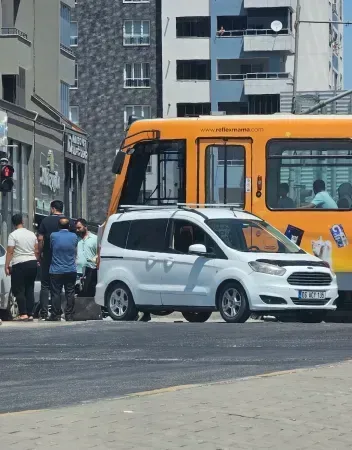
x=237, y=56
x=117, y=76
x=36, y=71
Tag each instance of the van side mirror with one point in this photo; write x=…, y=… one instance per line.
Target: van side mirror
x=197, y=249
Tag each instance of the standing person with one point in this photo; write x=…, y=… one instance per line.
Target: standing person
x=22, y=264
x=87, y=249
x=322, y=199
x=48, y=226
x=63, y=271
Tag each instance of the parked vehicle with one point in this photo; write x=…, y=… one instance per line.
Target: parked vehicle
x=206, y=259
x=8, y=306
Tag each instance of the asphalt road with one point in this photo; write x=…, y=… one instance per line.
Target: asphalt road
x=43, y=366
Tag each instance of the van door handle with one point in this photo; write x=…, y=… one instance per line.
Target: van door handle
x=152, y=257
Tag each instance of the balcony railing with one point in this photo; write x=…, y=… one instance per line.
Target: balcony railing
x=136, y=40
x=66, y=49
x=13, y=32
x=137, y=82
x=251, y=32
x=255, y=76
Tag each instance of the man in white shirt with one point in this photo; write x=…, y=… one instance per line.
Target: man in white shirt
x=22, y=263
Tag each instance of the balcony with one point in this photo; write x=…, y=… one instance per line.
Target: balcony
x=270, y=4
x=268, y=41
x=15, y=49
x=267, y=83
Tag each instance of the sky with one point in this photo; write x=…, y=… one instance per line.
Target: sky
x=348, y=45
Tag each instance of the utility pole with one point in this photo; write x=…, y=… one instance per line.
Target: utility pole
x=295, y=66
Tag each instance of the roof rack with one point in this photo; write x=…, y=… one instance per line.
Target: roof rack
x=232, y=206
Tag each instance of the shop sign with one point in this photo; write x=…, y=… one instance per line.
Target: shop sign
x=49, y=177
x=77, y=146
x=3, y=129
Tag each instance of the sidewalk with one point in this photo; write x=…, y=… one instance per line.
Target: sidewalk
x=303, y=409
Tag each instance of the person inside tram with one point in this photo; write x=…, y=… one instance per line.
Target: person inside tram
x=285, y=202
x=345, y=196
x=322, y=198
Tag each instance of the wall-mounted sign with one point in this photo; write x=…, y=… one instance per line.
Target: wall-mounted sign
x=3, y=129
x=77, y=146
x=49, y=177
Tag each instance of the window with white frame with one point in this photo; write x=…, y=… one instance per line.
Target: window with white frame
x=75, y=85
x=74, y=114
x=143, y=111
x=137, y=75
x=64, y=98
x=74, y=34
x=136, y=32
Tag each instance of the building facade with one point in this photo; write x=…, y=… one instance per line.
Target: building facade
x=117, y=76
x=237, y=56
x=37, y=68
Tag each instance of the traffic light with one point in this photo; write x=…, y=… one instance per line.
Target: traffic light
x=6, y=178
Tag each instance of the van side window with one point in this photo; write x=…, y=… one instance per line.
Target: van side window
x=118, y=233
x=183, y=234
x=147, y=235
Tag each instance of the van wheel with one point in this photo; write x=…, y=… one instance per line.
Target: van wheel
x=120, y=303
x=311, y=317
x=199, y=317
x=233, y=303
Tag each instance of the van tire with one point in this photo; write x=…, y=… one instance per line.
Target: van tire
x=195, y=317
x=229, y=293
x=120, y=303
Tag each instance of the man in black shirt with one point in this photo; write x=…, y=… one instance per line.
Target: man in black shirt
x=48, y=225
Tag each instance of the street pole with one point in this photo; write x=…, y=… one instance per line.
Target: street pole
x=295, y=66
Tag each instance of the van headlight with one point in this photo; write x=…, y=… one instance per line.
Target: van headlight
x=269, y=269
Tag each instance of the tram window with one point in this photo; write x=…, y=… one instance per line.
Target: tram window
x=309, y=174
x=225, y=174
x=156, y=174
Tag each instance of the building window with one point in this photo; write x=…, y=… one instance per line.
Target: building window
x=137, y=75
x=193, y=109
x=143, y=111
x=74, y=114
x=136, y=32
x=198, y=69
x=65, y=25
x=75, y=84
x=225, y=174
x=192, y=27
x=74, y=34
x=294, y=166
x=64, y=98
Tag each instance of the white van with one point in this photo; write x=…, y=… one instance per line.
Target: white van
x=207, y=259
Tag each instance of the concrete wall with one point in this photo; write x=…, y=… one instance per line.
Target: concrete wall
x=174, y=49
x=314, y=51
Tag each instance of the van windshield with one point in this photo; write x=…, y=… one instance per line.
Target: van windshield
x=252, y=236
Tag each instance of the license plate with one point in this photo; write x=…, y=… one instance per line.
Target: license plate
x=312, y=295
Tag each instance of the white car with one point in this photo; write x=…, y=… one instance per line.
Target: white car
x=202, y=260
x=8, y=307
